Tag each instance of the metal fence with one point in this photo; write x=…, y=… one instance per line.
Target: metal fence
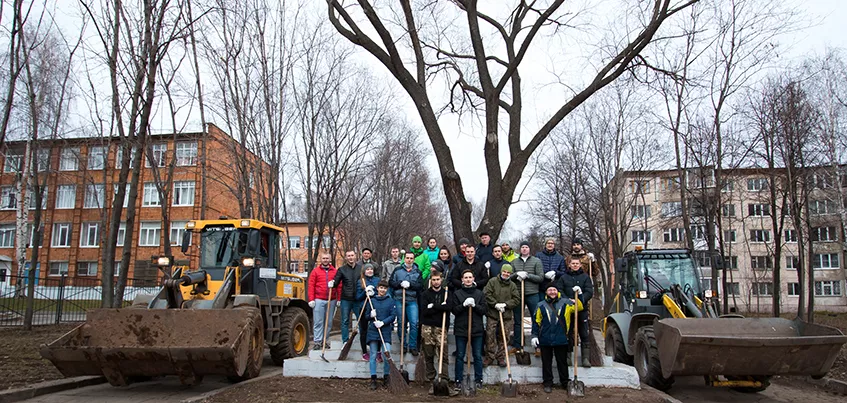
x=59, y=299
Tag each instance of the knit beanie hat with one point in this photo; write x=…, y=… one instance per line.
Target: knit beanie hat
x=417, y=238
x=507, y=268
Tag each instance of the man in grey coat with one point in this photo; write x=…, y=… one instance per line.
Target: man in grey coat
x=528, y=269
x=389, y=265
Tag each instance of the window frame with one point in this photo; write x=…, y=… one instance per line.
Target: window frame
x=69, y=159
x=183, y=147
x=88, y=265
x=180, y=188
x=95, y=196
x=58, y=229
x=85, y=235
x=63, y=190
x=147, y=199
x=144, y=233
x=100, y=152
x=59, y=271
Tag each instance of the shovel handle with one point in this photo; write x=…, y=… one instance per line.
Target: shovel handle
x=505, y=346
x=468, y=348
x=575, y=331
x=522, y=307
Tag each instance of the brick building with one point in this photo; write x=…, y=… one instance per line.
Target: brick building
x=82, y=175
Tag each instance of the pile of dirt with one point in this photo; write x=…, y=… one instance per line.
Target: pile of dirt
x=20, y=362
x=295, y=389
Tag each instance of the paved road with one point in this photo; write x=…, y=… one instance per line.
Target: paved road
x=693, y=389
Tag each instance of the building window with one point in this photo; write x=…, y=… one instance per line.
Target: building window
x=671, y=209
x=792, y=262
x=13, y=163
x=186, y=153
x=823, y=181
x=729, y=235
x=116, y=268
x=58, y=268
x=184, y=193
x=828, y=288
x=639, y=186
x=61, y=236
x=824, y=234
x=731, y=262
x=642, y=236
x=66, y=196
x=728, y=210
x=728, y=185
x=758, y=210
x=119, y=156
x=151, y=195
x=674, y=235
x=294, y=242
x=177, y=231
x=7, y=236
x=640, y=211
x=121, y=234
x=793, y=289
x=86, y=269
x=760, y=235
x=757, y=184
x=89, y=236
x=670, y=184
x=96, y=158
x=149, y=234
x=825, y=261
x=69, y=159
x=8, y=198
x=761, y=262
x=32, y=195
x=791, y=236
x=763, y=289
x=95, y=196
x=126, y=193
x=326, y=241
x=733, y=288
x=702, y=258
x=157, y=152
x=43, y=158
x=293, y=267
x=821, y=207
x=698, y=232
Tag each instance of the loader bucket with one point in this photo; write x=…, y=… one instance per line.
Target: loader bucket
x=124, y=343
x=746, y=347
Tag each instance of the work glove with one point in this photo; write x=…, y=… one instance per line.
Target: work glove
x=500, y=307
x=373, y=313
x=521, y=275
x=591, y=257
x=331, y=283
x=577, y=290
x=429, y=306
x=370, y=292
x=550, y=274
x=469, y=302
x=370, y=288
x=338, y=303
x=535, y=342
x=405, y=284
x=487, y=265
x=311, y=304
x=378, y=323
x=474, y=283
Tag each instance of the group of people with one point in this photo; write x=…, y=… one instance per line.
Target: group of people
x=475, y=290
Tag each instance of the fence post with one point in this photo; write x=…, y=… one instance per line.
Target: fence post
x=60, y=298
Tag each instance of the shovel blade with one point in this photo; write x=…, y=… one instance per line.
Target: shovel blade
x=509, y=389
x=576, y=388
x=440, y=387
x=468, y=388
x=405, y=375
x=522, y=358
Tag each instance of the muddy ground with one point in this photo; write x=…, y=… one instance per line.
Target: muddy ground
x=20, y=362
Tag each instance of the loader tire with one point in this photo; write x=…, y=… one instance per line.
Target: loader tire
x=615, y=347
x=647, y=360
x=293, y=335
x=765, y=380
x=256, y=346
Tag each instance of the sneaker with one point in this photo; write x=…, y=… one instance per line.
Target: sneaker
x=514, y=350
x=486, y=362
x=501, y=363
x=431, y=390
x=453, y=392
x=379, y=357
x=414, y=352
x=458, y=386
x=373, y=384
x=548, y=389
x=328, y=346
x=366, y=357
x=316, y=346
x=478, y=384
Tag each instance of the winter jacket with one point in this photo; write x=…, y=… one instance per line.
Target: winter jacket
x=432, y=254
x=386, y=311
x=432, y=316
x=550, y=261
x=566, y=283
x=510, y=256
x=460, y=322
x=484, y=252
x=447, y=265
x=318, y=279
x=413, y=276
x=501, y=291
x=493, y=265
x=534, y=273
x=551, y=318
x=587, y=265
x=360, y=291
x=458, y=257
x=422, y=260
x=480, y=274
x=388, y=267
x=345, y=278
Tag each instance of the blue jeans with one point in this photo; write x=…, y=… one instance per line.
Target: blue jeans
x=411, y=337
x=476, y=350
x=374, y=348
x=319, y=315
x=347, y=308
x=531, y=302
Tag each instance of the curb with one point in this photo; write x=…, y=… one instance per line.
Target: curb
x=664, y=396
x=831, y=385
x=43, y=388
x=204, y=396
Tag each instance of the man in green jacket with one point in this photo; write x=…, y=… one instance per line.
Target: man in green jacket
x=421, y=258
x=501, y=296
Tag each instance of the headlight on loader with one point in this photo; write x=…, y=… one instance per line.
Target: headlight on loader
x=248, y=262
x=163, y=261
x=710, y=294
x=641, y=294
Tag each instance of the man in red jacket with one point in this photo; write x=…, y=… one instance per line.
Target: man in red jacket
x=321, y=281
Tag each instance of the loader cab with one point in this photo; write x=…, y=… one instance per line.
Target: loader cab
x=646, y=275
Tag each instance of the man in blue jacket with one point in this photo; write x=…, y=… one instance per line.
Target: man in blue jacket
x=550, y=322
x=407, y=277
x=553, y=264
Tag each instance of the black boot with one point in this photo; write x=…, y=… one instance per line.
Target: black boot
x=373, y=383
x=385, y=381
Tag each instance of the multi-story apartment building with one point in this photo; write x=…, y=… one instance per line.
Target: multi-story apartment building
x=82, y=177
x=297, y=247
x=651, y=209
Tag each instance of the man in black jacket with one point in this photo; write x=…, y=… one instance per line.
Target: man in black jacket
x=470, y=262
x=434, y=305
x=346, y=277
x=468, y=298
x=576, y=277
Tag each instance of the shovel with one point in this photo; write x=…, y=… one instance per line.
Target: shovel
x=576, y=387
x=507, y=389
x=403, y=372
x=468, y=387
x=440, y=386
x=326, y=325
x=521, y=356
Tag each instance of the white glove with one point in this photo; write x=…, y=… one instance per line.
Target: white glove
x=311, y=304
x=338, y=303
x=474, y=283
x=550, y=274
x=370, y=288
x=577, y=290
x=405, y=284
x=469, y=302
x=535, y=342
x=487, y=265
x=370, y=292
x=331, y=283
x=521, y=275
x=378, y=323
x=373, y=313
x=500, y=307
x=429, y=306
x=591, y=257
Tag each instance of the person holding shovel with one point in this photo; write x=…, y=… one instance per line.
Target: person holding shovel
x=381, y=319
x=435, y=305
x=575, y=278
x=502, y=296
x=407, y=280
x=550, y=323
x=321, y=282
x=469, y=307
x=366, y=287
x=530, y=272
